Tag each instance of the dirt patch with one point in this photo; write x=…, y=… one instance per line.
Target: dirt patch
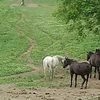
x=31, y=41
x=27, y=5
x=32, y=5
x=14, y=5
x=11, y=92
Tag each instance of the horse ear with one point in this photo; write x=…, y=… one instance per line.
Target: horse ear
x=66, y=58
x=96, y=49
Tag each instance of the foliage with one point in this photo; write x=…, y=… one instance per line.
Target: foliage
x=82, y=14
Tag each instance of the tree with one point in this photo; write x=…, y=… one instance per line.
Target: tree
x=22, y=2
x=83, y=14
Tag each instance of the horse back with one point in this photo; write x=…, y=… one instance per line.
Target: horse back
x=95, y=60
x=50, y=61
x=80, y=68
x=47, y=61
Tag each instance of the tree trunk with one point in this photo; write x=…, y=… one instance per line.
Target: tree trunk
x=22, y=2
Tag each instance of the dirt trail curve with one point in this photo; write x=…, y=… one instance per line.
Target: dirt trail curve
x=32, y=42
x=26, y=53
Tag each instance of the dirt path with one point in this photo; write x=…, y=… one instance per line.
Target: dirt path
x=32, y=42
x=26, y=53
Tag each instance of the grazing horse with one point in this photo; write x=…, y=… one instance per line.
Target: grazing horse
x=94, y=60
x=50, y=63
x=82, y=68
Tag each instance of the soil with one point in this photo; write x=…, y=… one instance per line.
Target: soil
x=12, y=92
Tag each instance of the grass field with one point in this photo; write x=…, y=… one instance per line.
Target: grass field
x=50, y=35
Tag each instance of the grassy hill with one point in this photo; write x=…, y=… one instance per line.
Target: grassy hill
x=51, y=37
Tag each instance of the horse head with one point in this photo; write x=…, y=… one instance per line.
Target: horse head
x=66, y=62
x=89, y=54
x=97, y=51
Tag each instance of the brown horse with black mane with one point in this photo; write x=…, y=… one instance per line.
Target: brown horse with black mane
x=94, y=60
x=77, y=68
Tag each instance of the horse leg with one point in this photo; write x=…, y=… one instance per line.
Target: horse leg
x=91, y=72
x=71, y=79
x=86, y=81
x=75, y=80
x=95, y=73
x=45, y=73
x=52, y=72
x=98, y=73
x=83, y=81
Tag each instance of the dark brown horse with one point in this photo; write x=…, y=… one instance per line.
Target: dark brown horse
x=89, y=54
x=94, y=60
x=77, y=68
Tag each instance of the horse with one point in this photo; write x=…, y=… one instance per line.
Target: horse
x=94, y=60
x=89, y=54
x=97, y=52
x=51, y=63
x=82, y=68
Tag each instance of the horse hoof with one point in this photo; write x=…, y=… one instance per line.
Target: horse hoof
x=81, y=88
x=94, y=76
x=75, y=86
x=85, y=87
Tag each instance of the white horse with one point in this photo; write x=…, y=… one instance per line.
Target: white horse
x=51, y=63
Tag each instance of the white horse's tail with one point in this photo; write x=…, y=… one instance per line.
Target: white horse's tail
x=44, y=67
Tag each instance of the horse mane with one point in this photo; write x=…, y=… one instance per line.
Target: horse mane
x=59, y=57
x=90, y=52
x=97, y=52
x=71, y=60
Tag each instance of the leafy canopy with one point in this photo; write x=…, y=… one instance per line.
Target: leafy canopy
x=83, y=14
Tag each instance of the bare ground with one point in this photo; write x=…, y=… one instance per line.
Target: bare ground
x=11, y=92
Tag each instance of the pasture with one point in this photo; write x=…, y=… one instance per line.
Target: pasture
x=28, y=34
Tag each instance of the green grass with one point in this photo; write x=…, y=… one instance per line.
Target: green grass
x=21, y=79
x=36, y=81
x=13, y=68
x=51, y=36
x=12, y=44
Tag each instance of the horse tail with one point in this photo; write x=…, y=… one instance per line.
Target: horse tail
x=89, y=67
x=44, y=67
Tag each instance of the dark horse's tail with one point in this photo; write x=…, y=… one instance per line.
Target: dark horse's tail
x=89, y=67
